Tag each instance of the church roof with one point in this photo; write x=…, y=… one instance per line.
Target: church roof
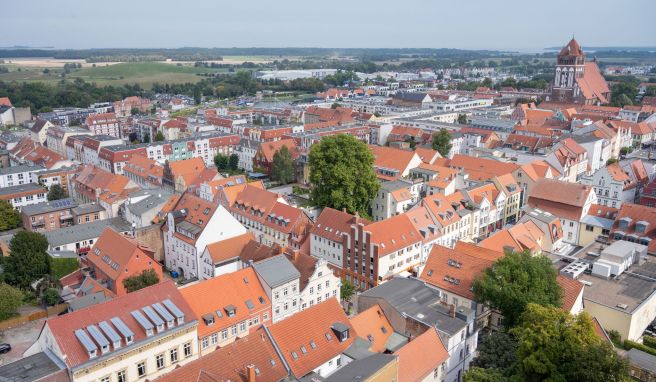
x=592, y=84
x=571, y=49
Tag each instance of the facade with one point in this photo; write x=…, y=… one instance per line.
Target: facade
x=241, y=309
x=612, y=185
x=329, y=234
x=18, y=175
x=24, y=195
x=115, y=257
x=191, y=225
x=142, y=335
x=48, y=215
x=281, y=282
x=103, y=123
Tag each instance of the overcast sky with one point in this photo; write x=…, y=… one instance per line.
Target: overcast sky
x=467, y=24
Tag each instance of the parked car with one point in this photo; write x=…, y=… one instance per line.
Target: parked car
x=5, y=348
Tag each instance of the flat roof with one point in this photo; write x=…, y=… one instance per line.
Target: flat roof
x=28, y=187
x=80, y=232
x=30, y=368
x=361, y=369
x=631, y=288
x=276, y=270
x=47, y=207
x=21, y=168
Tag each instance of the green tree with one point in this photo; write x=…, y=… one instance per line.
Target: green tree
x=233, y=162
x=442, y=142
x=10, y=300
x=197, y=95
x=516, y=280
x=146, y=138
x=346, y=290
x=611, y=161
x=134, y=111
x=462, y=119
x=497, y=350
x=487, y=82
x=50, y=296
x=282, y=168
x=478, y=374
x=159, y=136
x=221, y=162
x=335, y=105
x=342, y=174
x=146, y=278
x=9, y=217
x=557, y=346
x=56, y=192
x=28, y=260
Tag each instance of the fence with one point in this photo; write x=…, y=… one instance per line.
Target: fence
x=20, y=320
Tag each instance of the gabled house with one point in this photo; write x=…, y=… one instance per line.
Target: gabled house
x=115, y=257
x=228, y=307
x=612, y=185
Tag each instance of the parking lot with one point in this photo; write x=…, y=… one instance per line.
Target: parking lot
x=20, y=338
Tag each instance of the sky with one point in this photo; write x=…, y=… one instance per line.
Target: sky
x=464, y=24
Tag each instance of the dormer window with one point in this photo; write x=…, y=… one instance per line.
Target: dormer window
x=230, y=310
x=129, y=340
x=624, y=222
x=208, y=319
x=641, y=226
x=93, y=353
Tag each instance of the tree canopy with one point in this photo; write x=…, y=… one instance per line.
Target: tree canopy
x=10, y=300
x=342, y=174
x=9, y=217
x=548, y=344
x=56, y=192
x=557, y=346
x=146, y=278
x=28, y=260
x=221, y=162
x=442, y=142
x=516, y=280
x=282, y=168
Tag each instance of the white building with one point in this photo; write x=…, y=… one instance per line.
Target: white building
x=192, y=224
x=612, y=185
x=280, y=279
x=17, y=175
x=138, y=336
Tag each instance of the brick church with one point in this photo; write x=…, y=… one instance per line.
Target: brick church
x=578, y=81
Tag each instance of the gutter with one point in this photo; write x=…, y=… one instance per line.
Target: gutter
x=277, y=349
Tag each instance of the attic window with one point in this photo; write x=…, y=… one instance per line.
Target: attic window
x=429, y=273
x=313, y=344
x=273, y=362
x=209, y=319
x=383, y=329
x=261, y=299
x=303, y=349
x=294, y=355
x=206, y=211
x=329, y=336
x=249, y=304
x=370, y=338
x=230, y=310
x=219, y=313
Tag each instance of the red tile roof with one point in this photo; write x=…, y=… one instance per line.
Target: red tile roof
x=315, y=325
x=331, y=224
x=572, y=289
x=421, y=356
x=393, y=234
x=230, y=363
x=64, y=327
x=236, y=289
x=227, y=249
x=373, y=326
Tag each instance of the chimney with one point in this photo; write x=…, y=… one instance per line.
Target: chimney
x=294, y=255
x=452, y=311
x=250, y=373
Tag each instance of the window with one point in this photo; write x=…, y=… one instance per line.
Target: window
x=174, y=355
x=186, y=349
x=121, y=376
x=589, y=228
x=233, y=330
x=141, y=369
x=215, y=338
x=242, y=326
x=159, y=361
x=224, y=334
x=205, y=343
x=105, y=379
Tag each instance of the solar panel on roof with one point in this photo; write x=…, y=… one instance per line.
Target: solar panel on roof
x=85, y=340
x=98, y=336
x=124, y=329
x=109, y=332
x=157, y=320
x=163, y=312
x=143, y=321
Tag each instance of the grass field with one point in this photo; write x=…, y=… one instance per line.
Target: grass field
x=143, y=73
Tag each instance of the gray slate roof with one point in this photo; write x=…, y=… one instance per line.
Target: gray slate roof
x=155, y=199
x=87, y=209
x=413, y=298
x=30, y=368
x=28, y=187
x=19, y=169
x=643, y=360
x=276, y=271
x=361, y=369
x=86, y=231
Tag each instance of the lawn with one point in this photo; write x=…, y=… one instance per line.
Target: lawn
x=143, y=73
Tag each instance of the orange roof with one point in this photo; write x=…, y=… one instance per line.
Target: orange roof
x=63, y=327
x=5, y=101
x=571, y=291
x=315, y=324
x=268, y=149
x=519, y=237
x=144, y=167
x=427, y=155
x=637, y=213
x=373, y=325
x=331, y=224
x=391, y=158
x=237, y=289
x=571, y=49
x=421, y=356
x=393, y=234
x=113, y=251
x=455, y=270
x=592, y=84
x=231, y=362
x=489, y=167
x=229, y=248
x=188, y=169
x=197, y=211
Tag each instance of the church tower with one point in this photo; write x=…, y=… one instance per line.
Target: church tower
x=569, y=67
